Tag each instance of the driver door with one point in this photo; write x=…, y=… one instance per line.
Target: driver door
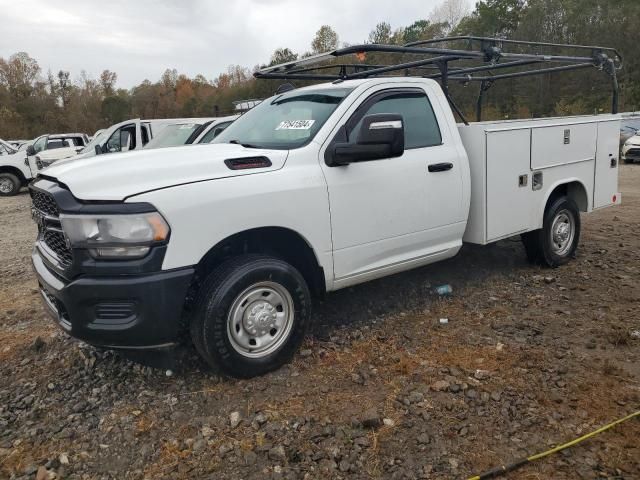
x=385, y=214
x=38, y=146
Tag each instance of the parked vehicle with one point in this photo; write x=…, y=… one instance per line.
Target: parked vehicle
x=18, y=169
x=49, y=148
x=629, y=127
x=13, y=172
x=190, y=131
x=631, y=149
x=313, y=190
x=6, y=148
x=17, y=143
x=125, y=136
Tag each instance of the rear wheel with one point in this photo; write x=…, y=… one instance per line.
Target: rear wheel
x=9, y=184
x=251, y=315
x=556, y=242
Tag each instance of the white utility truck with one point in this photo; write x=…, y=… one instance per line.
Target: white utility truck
x=17, y=170
x=313, y=190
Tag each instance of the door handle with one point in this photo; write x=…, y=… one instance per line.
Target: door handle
x=440, y=167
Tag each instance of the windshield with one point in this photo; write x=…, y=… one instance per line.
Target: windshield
x=173, y=135
x=286, y=121
x=91, y=146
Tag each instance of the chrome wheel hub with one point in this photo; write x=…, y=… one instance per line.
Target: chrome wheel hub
x=6, y=185
x=260, y=319
x=563, y=231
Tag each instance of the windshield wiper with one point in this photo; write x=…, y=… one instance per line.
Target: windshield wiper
x=245, y=145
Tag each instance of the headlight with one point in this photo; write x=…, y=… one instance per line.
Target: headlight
x=115, y=236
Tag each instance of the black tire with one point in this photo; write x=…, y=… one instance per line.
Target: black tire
x=9, y=179
x=628, y=161
x=539, y=244
x=220, y=293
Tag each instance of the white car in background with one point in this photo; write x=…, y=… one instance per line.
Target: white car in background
x=46, y=149
x=19, y=167
x=126, y=136
x=631, y=149
x=6, y=148
x=190, y=131
x=17, y=143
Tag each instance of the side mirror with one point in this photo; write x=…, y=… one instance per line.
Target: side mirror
x=31, y=151
x=98, y=149
x=381, y=136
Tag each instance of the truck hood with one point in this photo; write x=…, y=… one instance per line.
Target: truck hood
x=116, y=176
x=635, y=140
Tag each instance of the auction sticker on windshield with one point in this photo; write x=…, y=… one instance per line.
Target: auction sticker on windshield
x=295, y=125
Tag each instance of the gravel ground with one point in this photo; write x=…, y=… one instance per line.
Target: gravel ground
x=529, y=358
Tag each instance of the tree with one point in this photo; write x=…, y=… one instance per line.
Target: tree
x=424, y=30
x=114, y=109
x=64, y=88
x=381, y=34
x=326, y=39
x=108, y=82
x=494, y=18
x=19, y=74
x=282, y=55
x=450, y=12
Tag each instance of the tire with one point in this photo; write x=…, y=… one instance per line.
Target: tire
x=9, y=185
x=556, y=242
x=251, y=315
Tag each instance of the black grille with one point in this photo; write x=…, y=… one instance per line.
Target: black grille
x=49, y=227
x=634, y=152
x=115, y=313
x=44, y=203
x=58, y=244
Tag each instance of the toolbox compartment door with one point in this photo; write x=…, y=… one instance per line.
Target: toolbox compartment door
x=607, y=165
x=509, y=203
x=562, y=144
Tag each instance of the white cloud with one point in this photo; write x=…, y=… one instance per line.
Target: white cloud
x=141, y=39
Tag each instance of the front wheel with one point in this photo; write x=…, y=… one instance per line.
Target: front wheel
x=251, y=315
x=556, y=242
x=9, y=184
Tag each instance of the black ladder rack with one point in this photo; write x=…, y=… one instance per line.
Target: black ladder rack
x=474, y=55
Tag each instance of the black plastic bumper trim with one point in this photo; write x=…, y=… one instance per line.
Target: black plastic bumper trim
x=158, y=299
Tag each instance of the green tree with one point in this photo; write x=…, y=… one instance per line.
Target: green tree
x=381, y=34
x=282, y=55
x=326, y=39
x=494, y=18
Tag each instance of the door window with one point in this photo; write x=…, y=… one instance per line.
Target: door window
x=57, y=143
x=122, y=140
x=144, y=131
x=214, y=132
x=40, y=144
x=420, y=125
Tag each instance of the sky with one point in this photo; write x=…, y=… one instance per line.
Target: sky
x=140, y=39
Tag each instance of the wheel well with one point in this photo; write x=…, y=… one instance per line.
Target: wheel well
x=573, y=190
x=15, y=171
x=277, y=241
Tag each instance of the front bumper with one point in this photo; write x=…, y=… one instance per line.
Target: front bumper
x=631, y=152
x=125, y=311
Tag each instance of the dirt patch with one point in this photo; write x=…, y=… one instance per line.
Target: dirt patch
x=529, y=358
